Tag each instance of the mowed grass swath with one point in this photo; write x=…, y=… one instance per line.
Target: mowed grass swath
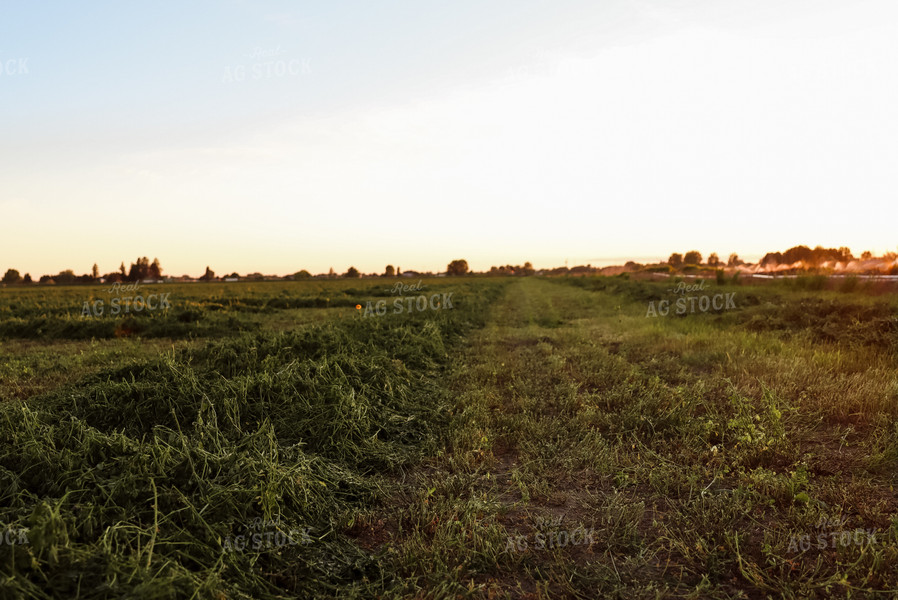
x=543, y=438
x=130, y=479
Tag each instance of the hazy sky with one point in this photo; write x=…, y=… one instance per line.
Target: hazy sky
x=275, y=136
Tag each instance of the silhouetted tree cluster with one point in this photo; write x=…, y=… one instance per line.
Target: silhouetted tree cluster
x=527, y=269
x=11, y=276
x=814, y=257
x=694, y=258
x=142, y=269
x=457, y=267
x=209, y=275
x=67, y=276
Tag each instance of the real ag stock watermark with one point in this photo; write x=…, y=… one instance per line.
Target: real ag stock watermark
x=266, y=63
x=408, y=304
x=687, y=304
x=399, y=287
x=266, y=535
x=832, y=534
x=549, y=536
x=14, y=536
x=13, y=67
x=126, y=304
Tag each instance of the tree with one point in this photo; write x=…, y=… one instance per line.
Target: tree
x=771, y=259
x=352, y=272
x=528, y=269
x=734, y=260
x=390, y=272
x=675, y=260
x=139, y=270
x=801, y=253
x=819, y=254
x=95, y=272
x=693, y=257
x=121, y=269
x=67, y=276
x=27, y=278
x=713, y=260
x=12, y=276
x=331, y=273
x=457, y=267
x=209, y=275
x=302, y=274
x=155, y=271
x=866, y=255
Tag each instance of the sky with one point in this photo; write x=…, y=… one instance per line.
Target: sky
x=273, y=136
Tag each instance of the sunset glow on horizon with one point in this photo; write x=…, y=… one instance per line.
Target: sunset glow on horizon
x=272, y=137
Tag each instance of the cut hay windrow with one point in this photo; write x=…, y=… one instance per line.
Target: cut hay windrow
x=227, y=470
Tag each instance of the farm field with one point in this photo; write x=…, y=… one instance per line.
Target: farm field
x=527, y=438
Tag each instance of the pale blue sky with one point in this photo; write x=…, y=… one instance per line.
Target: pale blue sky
x=413, y=133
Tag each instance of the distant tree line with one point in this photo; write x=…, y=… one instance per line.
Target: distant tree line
x=694, y=258
x=811, y=258
x=527, y=269
x=817, y=256
x=139, y=271
x=142, y=269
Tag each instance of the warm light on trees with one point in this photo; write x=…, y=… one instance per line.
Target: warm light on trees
x=457, y=267
x=11, y=276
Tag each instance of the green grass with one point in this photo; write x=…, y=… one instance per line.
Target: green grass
x=694, y=456
x=197, y=310
x=438, y=455
x=131, y=478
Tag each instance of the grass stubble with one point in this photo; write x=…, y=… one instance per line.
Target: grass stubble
x=711, y=457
